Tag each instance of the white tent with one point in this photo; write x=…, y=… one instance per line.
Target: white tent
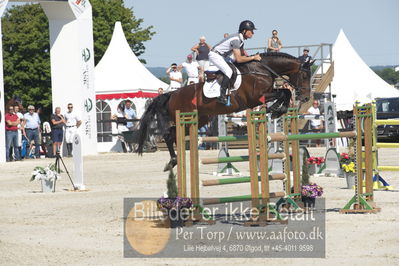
x=353, y=79
x=120, y=76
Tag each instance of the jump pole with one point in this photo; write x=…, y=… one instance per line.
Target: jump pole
x=378, y=181
x=189, y=121
x=363, y=202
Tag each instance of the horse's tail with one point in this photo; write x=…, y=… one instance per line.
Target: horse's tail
x=156, y=111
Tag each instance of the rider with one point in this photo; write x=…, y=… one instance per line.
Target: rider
x=229, y=50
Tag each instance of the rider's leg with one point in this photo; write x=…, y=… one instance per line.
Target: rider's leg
x=222, y=65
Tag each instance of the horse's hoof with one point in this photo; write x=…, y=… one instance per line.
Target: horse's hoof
x=169, y=166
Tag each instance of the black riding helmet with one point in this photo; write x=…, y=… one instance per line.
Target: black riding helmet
x=246, y=25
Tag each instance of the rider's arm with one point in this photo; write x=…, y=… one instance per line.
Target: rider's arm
x=242, y=58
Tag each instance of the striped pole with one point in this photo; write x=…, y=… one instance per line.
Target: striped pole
x=282, y=137
x=242, y=158
x=239, y=198
x=236, y=180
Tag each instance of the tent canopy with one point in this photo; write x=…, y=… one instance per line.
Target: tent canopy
x=353, y=79
x=120, y=72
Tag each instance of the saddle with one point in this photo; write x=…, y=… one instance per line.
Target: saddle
x=218, y=75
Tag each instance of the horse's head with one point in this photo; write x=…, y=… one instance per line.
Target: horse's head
x=301, y=81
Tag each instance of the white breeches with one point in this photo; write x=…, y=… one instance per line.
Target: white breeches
x=69, y=133
x=218, y=60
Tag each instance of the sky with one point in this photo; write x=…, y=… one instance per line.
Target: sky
x=372, y=26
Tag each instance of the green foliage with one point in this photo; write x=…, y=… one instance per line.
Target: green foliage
x=171, y=185
x=26, y=55
x=27, y=50
x=105, y=14
x=389, y=75
x=305, y=170
x=165, y=79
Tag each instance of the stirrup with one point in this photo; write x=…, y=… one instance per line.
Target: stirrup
x=222, y=100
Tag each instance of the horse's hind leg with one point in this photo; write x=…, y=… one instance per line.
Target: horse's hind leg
x=170, y=139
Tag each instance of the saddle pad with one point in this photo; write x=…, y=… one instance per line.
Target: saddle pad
x=212, y=89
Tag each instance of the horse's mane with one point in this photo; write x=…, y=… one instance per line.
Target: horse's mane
x=278, y=54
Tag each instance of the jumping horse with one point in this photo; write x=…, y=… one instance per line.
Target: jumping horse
x=256, y=88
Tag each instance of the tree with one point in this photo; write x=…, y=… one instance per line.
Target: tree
x=27, y=50
x=389, y=75
x=105, y=14
x=26, y=55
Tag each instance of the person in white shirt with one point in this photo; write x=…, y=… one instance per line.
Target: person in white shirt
x=73, y=121
x=315, y=124
x=175, y=76
x=192, y=69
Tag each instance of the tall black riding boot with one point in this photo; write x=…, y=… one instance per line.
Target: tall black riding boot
x=223, y=87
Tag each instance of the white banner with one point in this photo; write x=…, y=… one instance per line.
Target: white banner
x=78, y=6
x=87, y=81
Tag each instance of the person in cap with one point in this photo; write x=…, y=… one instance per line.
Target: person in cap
x=192, y=69
x=175, y=76
x=202, y=50
x=305, y=57
x=229, y=49
x=32, y=128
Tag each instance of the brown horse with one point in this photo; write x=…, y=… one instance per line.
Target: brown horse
x=257, y=81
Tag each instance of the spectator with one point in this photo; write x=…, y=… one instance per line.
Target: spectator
x=175, y=76
x=306, y=58
x=192, y=69
x=130, y=113
x=12, y=122
x=32, y=128
x=160, y=91
x=21, y=130
x=315, y=124
x=72, y=122
x=202, y=50
x=57, y=129
x=274, y=44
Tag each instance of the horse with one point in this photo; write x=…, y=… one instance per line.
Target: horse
x=256, y=88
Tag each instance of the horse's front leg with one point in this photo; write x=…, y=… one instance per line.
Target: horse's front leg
x=170, y=139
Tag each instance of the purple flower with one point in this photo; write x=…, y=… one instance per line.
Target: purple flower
x=312, y=190
x=178, y=203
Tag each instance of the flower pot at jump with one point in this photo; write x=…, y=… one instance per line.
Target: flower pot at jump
x=48, y=185
x=350, y=179
x=308, y=202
